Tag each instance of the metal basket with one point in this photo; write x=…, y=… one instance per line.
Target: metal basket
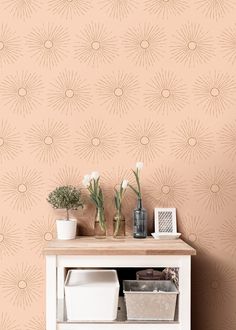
x=150, y=300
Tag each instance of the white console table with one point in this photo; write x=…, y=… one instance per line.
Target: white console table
x=114, y=253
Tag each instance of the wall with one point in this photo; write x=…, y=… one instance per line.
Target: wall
x=99, y=85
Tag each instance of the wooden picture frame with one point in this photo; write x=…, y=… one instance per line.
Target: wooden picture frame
x=165, y=220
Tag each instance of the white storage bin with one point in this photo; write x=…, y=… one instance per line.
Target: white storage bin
x=91, y=295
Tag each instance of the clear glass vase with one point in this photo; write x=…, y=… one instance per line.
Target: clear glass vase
x=100, y=224
x=139, y=221
x=118, y=225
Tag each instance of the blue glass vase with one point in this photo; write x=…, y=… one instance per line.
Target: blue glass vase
x=139, y=221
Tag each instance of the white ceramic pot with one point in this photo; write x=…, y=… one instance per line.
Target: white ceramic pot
x=66, y=229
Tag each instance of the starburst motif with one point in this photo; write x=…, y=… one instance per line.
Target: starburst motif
x=227, y=138
x=68, y=176
x=217, y=285
x=166, y=189
x=166, y=8
x=214, y=189
x=9, y=46
x=9, y=142
x=228, y=44
x=48, y=45
x=215, y=9
x=21, y=92
x=7, y=322
x=69, y=8
x=227, y=236
x=192, y=141
x=10, y=241
x=36, y=323
x=21, y=284
x=166, y=93
x=118, y=92
x=95, y=142
x=48, y=141
x=118, y=9
x=196, y=232
x=191, y=45
x=40, y=232
x=69, y=93
x=22, y=9
x=21, y=188
x=215, y=92
x=144, y=44
x=144, y=140
x=96, y=45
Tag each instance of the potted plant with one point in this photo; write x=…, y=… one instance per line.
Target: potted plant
x=68, y=198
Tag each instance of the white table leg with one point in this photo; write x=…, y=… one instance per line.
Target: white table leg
x=60, y=282
x=51, y=293
x=185, y=293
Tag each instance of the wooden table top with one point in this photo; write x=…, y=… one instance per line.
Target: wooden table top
x=111, y=246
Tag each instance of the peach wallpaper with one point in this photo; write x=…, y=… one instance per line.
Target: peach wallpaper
x=98, y=85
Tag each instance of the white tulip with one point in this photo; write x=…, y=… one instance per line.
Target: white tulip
x=124, y=184
x=95, y=175
x=86, y=180
x=139, y=165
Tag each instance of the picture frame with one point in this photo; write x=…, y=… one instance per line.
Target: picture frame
x=165, y=220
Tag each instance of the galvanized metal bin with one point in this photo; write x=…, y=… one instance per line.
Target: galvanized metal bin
x=150, y=300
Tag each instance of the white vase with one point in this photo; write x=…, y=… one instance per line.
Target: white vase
x=66, y=229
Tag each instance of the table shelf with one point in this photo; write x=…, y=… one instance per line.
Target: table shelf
x=109, y=253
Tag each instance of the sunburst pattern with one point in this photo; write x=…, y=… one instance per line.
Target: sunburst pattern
x=40, y=232
x=165, y=93
x=96, y=45
x=166, y=8
x=22, y=9
x=217, y=286
x=21, y=92
x=95, y=142
x=227, y=139
x=215, y=92
x=166, y=189
x=214, y=189
x=196, y=232
x=192, y=141
x=228, y=44
x=192, y=45
x=67, y=176
x=9, y=142
x=36, y=323
x=10, y=241
x=7, y=322
x=21, y=188
x=21, y=284
x=48, y=141
x=69, y=8
x=118, y=9
x=215, y=9
x=48, y=45
x=118, y=92
x=10, y=49
x=69, y=93
x=144, y=140
x=227, y=236
x=144, y=44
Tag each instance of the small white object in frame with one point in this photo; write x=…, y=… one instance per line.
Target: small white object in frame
x=165, y=220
